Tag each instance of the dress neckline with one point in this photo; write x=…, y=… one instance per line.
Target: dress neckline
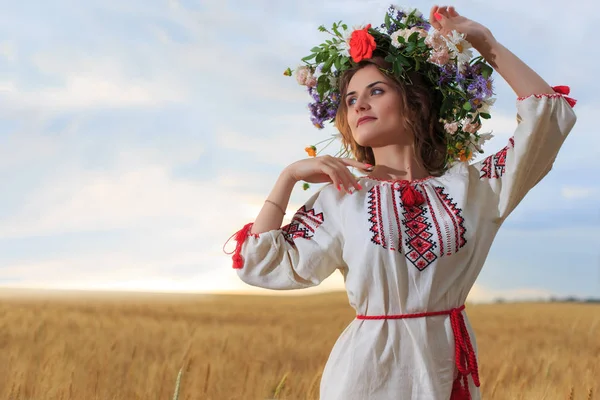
x=414, y=181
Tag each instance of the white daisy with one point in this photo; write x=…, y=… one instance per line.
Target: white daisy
x=475, y=145
x=486, y=105
x=344, y=46
x=459, y=47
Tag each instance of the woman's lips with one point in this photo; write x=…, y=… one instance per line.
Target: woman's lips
x=365, y=119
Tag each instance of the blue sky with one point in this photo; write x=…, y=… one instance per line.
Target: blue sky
x=136, y=138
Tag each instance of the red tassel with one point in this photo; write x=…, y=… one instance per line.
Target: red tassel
x=565, y=90
x=459, y=392
x=240, y=237
x=411, y=197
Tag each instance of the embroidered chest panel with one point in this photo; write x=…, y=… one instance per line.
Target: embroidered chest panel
x=424, y=232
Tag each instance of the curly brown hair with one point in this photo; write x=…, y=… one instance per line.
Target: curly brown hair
x=420, y=107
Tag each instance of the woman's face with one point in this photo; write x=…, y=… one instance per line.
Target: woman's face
x=374, y=109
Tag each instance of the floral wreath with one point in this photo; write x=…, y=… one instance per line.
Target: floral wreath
x=410, y=44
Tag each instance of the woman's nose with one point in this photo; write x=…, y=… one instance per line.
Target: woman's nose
x=361, y=104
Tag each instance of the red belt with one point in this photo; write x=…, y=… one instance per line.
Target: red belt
x=466, y=360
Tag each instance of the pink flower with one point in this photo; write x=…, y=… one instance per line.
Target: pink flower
x=451, y=128
x=422, y=32
x=435, y=40
x=471, y=128
x=405, y=33
x=440, y=56
x=305, y=77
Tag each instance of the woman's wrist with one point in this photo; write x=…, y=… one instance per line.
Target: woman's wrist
x=287, y=176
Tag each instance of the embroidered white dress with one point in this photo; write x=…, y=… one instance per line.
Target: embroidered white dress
x=399, y=259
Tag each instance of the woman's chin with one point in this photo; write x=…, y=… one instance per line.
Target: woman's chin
x=366, y=138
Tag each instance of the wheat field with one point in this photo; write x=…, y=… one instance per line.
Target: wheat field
x=116, y=347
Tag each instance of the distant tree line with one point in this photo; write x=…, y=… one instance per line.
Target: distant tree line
x=568, y=299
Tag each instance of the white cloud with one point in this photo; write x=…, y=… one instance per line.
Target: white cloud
x=91, y=83
x=7, y=87
x=119, y=199
x=8, y=50
x=279, y=140
x=578, y=192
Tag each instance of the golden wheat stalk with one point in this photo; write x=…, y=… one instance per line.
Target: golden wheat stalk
x=280, y=386
x=178, y=384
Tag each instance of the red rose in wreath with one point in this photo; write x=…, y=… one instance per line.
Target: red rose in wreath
x=362, y=44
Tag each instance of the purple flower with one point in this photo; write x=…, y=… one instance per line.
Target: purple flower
x=420, y=24
x=314, y=94
x=481, y=87
x=476, y=101
x=464, y=75
x=447, y=74
x=322, y=110
x=396, y=14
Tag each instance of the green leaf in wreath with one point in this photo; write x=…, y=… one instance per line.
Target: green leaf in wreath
x=403, y=60
x=338, y=63
x=397, y=67
x=307, y=58
x=327, y=66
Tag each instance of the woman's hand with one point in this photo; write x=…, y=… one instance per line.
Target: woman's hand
x=446, y=19
x=327, y=169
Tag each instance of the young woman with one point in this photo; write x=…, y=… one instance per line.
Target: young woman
x=412, y=235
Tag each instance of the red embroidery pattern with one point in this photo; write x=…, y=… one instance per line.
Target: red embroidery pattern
x=561, y=91
x=493, y=166
x=303, y=225
x=375, y=217
x=397, y=220
x=436, y=223
x=457, y=219
x=419, y=243
x=425, y=232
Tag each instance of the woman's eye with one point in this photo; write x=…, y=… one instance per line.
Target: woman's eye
x=374, y=91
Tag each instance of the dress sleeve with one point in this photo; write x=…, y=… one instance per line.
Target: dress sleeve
x=298, y=255
x=543, y=123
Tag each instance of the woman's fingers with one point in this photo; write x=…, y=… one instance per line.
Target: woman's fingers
x=343, y=174
x=433, y=20
x=351, y=181
x=452, y=12
x=353, y=163
x=332, y=172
